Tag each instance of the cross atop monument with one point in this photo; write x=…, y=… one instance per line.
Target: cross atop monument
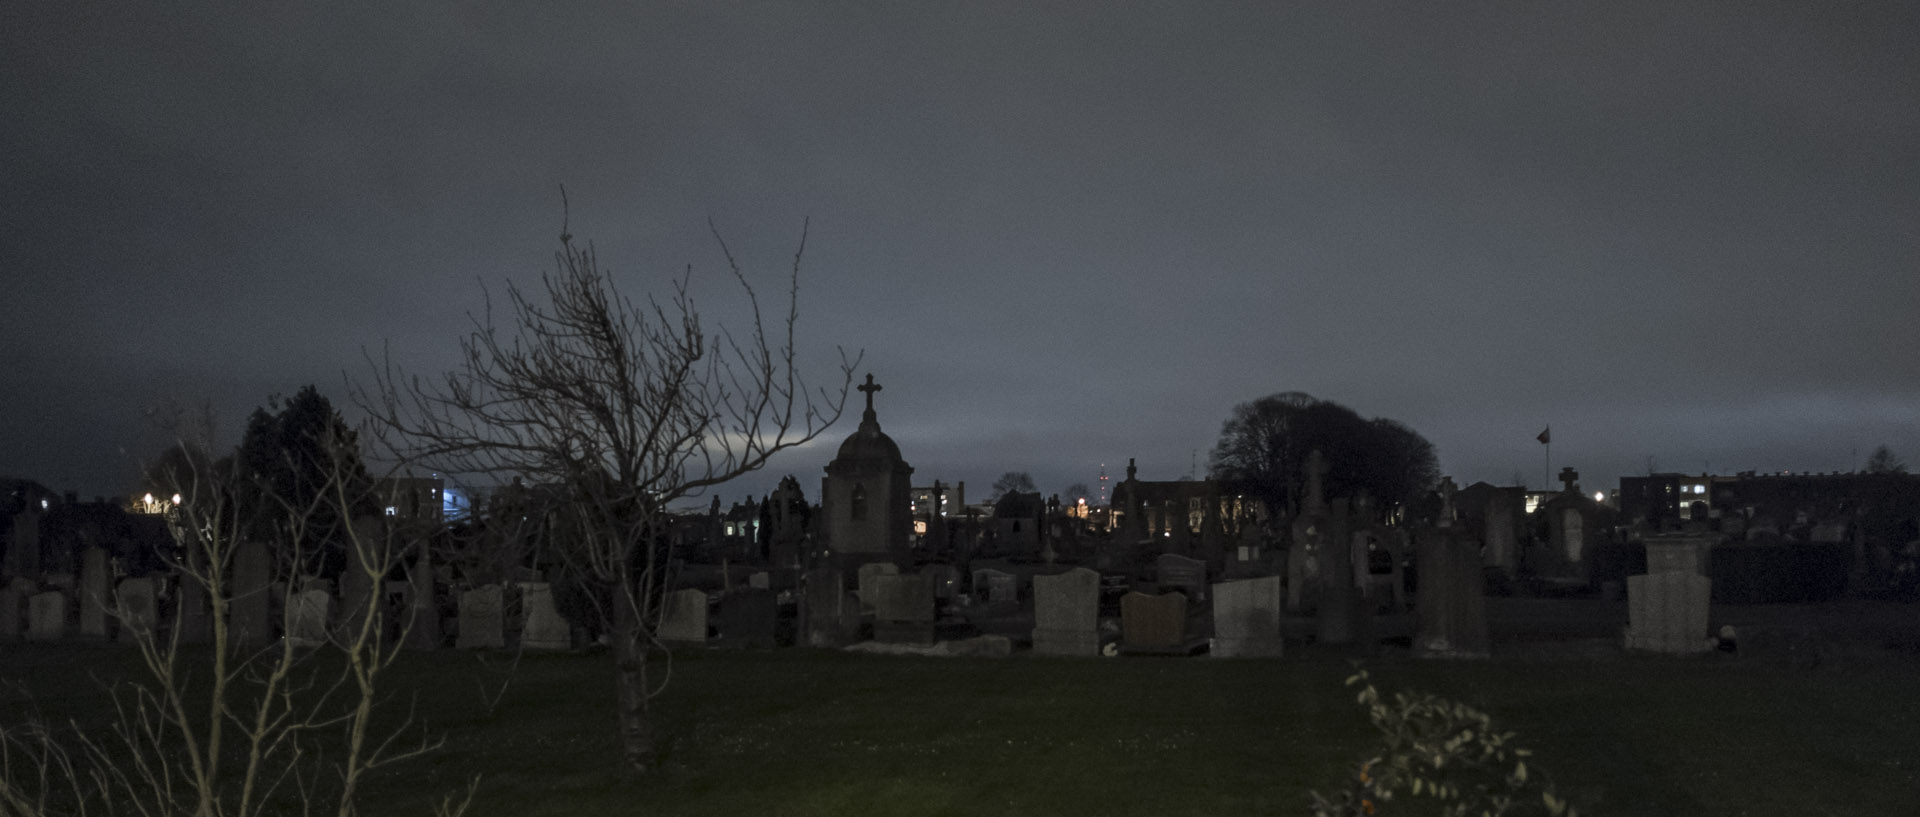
x=869, y=388
x=1569, y=476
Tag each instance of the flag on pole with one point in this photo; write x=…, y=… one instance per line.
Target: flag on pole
x=1546, y=435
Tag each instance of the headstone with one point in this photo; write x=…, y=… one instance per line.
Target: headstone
x=249, y=609
x=47, y=616
x=1452, y=605
x=13, y=614
x=748, y=618
x=483, y=624
x=423, y=608
x=683, y=620
x=1154, y=623
x=195, y=611
x=1246, y=619
x=96, y=585
x=868, y=573
x=831, y=617
x=307, y=613
x=1502, y=545
x=1002, y=589
x=903, y=609
x=136, y=606
x=1179, y=572
x=1677, y=553
x=945, y=580
x=1667, y=612
x=542, y=627
x=761, y=580
x=1066, y=613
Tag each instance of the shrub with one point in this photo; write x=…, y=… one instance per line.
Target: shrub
x=1439, y=756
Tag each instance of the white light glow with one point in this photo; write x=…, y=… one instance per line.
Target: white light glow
x=1599, y=496
x=176, y=499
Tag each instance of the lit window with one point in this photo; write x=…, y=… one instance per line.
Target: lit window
x=393, y=511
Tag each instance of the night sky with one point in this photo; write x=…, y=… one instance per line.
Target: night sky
x=1064, y=234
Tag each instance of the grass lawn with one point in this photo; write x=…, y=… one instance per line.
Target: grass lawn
x=801, y=732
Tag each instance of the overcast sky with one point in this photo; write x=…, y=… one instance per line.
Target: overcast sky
x=1064, y=234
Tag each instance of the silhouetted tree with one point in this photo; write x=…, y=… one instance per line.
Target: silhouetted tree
x=1264, y=444
x=619, y=410
x=1883, y=461
x=1013, y=481
x=300, y=453
x=1076, y=492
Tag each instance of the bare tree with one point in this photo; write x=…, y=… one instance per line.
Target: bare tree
x=246, y=725
x=618, y=409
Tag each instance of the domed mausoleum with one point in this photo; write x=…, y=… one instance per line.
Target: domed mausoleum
x=866, y=494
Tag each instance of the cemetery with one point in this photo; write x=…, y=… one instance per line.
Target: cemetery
x=1183, y=653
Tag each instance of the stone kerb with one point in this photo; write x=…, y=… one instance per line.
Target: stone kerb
x=1246, y=619
x=1066, y=613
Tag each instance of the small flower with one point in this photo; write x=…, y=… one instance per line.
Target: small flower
x=1366, y=806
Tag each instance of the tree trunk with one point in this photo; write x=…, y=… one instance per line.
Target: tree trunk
x=630, y=648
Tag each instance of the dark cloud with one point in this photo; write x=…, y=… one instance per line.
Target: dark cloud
x=1065, y=236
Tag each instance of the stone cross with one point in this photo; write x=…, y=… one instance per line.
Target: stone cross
x=869, y=389
x=1569, y=476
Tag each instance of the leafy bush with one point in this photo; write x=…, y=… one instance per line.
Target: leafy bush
x=1439, y=756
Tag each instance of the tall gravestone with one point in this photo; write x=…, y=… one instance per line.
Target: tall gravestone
x=483, y=619
x=1667, y=609
x=137, y=608
x=903, y=611
x=870, y=574
x=357, y=581
x=250, y=606
x=684, y=618
x=1066, y=613
x=96, y=592
x=542, y=627
x=13, y=613
x=1246, y=619
x=1339, y=619
x=423, y=608
x=1452, y=604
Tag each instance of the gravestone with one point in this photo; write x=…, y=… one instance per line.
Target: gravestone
x=1452, y=605
x=96, y=587
x=761, y=580
x=307, y=613
x=1155, y=624
x=748, y=618
x=830, y=616
x=136, y=606
x=1667, y=612
x=945, y=580
x=869, y=572
x=13, y=614
x=1677, y=553
x=542, y=627
x=903, y=609
x=1066, y=613
x=483, y=622
x=1246, y=619
x=1177, y=572
x=683, y=620
x=249, y=610
x=195, y=612
x=47, y=616
x=423, y=608
x=1502, y=544
x=1001, y=589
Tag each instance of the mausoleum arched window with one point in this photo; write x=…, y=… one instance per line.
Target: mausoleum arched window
x=858, y=505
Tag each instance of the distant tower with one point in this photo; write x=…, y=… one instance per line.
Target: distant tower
x=1103, y=483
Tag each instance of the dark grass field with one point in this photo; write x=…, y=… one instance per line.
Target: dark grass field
x=803, y=732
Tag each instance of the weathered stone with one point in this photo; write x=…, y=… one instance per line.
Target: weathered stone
x=1154, y=623
x=1667, y=612
x=135, y=605
x=903, y=611
x=47, y=616
x=483, y=624
x=307, y=613
x=1246, y=619
x=869, y=574
x=1176, y=572
x=542, y=627
x=684, y=618
x=96, y=587
x=1452, y=605
x=830, y=616
x=1066, y=613
x=748, y=618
